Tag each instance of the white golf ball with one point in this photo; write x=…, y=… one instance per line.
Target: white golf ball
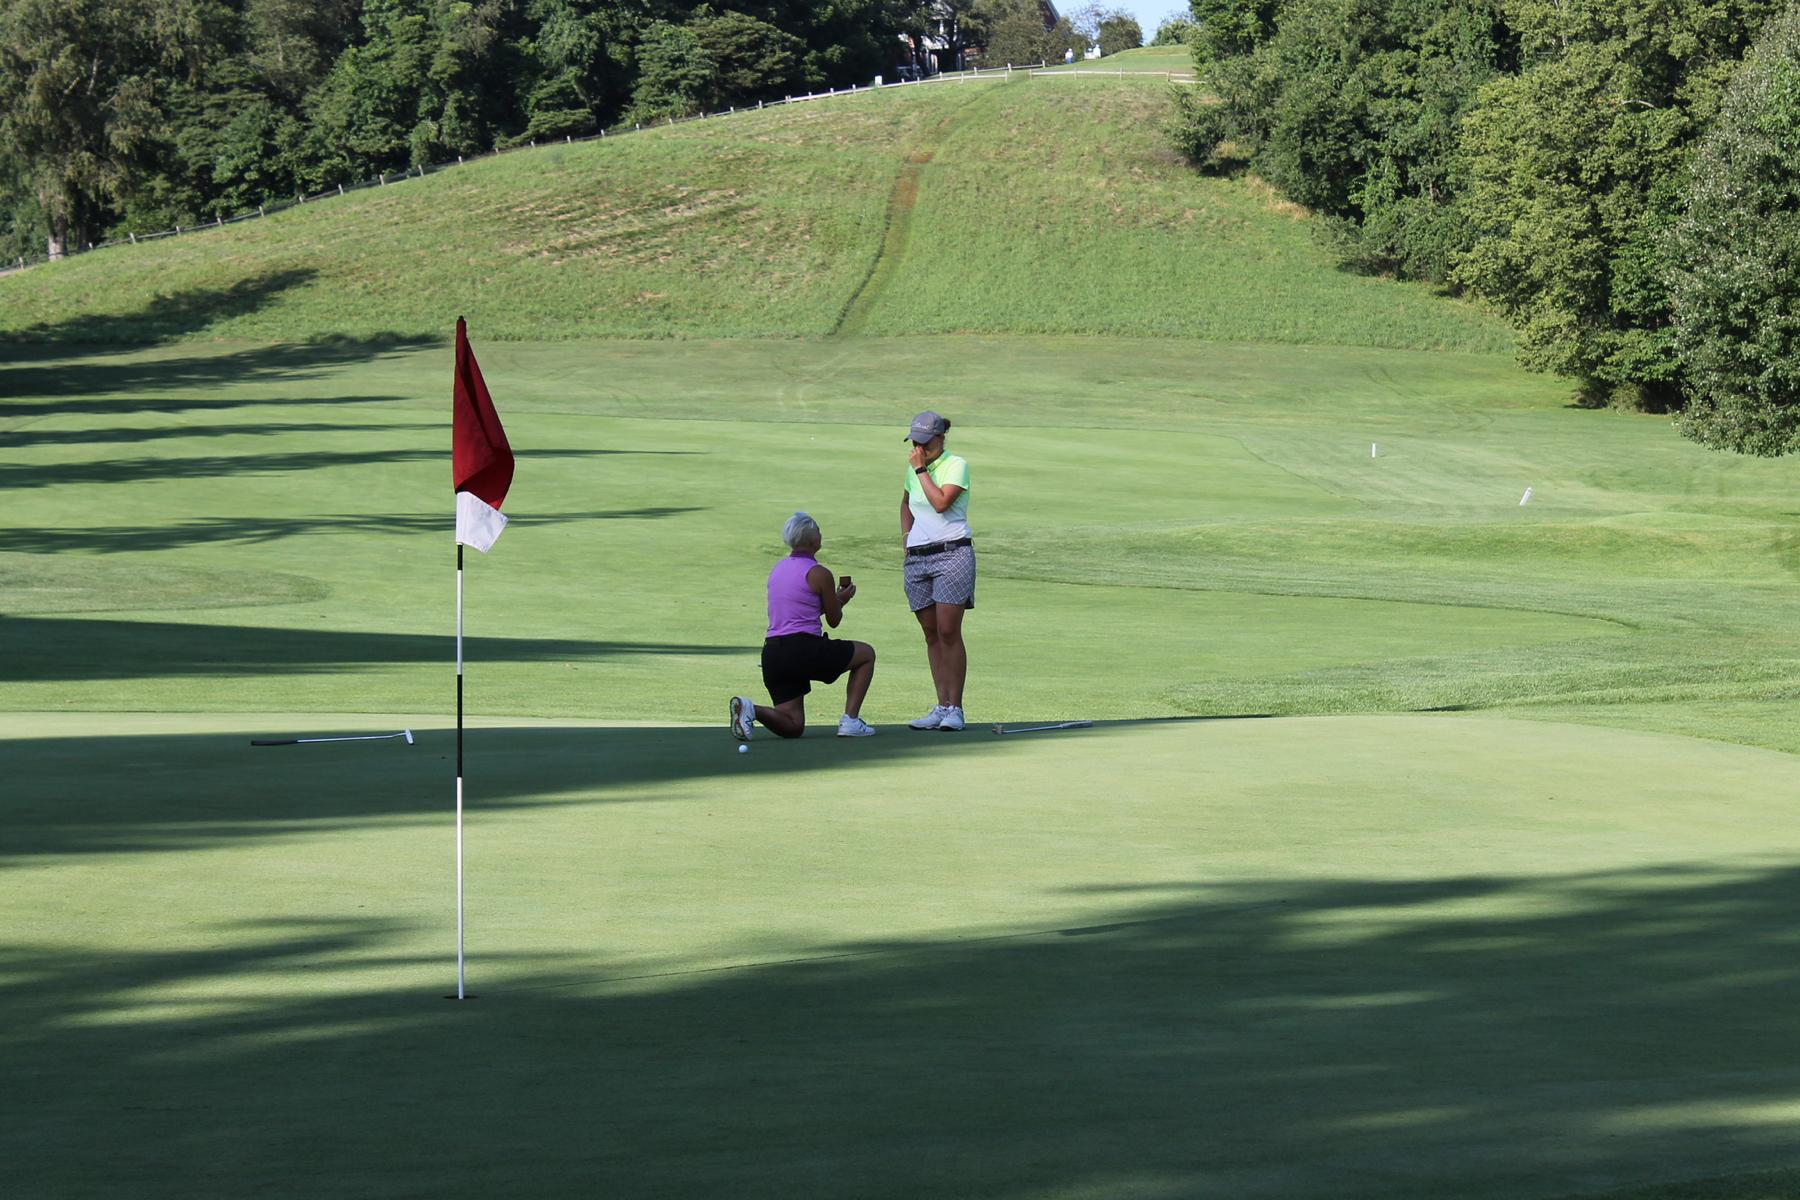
x=743, y=749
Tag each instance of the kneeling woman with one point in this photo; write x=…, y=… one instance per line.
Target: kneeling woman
x=796, y=652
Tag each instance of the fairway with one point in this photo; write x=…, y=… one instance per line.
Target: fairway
x=1427, y=843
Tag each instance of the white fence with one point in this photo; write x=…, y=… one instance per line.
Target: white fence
x=387, y=178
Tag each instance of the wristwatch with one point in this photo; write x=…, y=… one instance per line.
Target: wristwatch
x=920, y=470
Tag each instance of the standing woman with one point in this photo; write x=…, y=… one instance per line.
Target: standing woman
x=940, y=562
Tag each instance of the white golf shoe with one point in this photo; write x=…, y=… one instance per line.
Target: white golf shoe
x=950, y=719
x=743, y=716
x=854, y=727
x=930, y=720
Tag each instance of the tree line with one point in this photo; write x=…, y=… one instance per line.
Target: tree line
x=1619, y=178
x=143, y=115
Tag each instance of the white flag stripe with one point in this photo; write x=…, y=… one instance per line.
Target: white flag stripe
x=477, y=523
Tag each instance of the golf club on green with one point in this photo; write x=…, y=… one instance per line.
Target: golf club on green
x=364, y=737
x=1041, y=728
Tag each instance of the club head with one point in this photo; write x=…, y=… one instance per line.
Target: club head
x=407, y=734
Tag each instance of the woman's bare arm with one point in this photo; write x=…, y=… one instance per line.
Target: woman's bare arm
x=940, y=498
x=833, y=598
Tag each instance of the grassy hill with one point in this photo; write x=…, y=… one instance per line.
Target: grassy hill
x=1175, y=60
x=1043, y=206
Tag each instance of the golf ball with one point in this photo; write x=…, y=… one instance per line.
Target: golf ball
x=743, y=749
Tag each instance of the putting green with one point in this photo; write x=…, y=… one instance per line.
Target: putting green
x=1370, y=955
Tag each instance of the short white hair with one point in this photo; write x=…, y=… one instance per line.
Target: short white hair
x=800, y=530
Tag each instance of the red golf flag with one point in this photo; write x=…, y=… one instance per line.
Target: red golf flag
x=481, y=461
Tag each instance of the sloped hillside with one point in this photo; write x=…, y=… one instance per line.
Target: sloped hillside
x=1046, y=205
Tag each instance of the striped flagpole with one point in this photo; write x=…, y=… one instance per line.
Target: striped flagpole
x=459, y=772
x=481, y=464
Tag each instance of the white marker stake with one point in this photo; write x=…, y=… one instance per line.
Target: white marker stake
x=1371, y=449
x=1525, y=499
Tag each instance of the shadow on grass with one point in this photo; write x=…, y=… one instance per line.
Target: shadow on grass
x=70, y=379
x=131, y=470
x=52, y=648
x=164, y=317
x=120, y=539
x=22, y=438
x=65, y=368
x=234, y=792
x=1360, y=1037
x=125, y=405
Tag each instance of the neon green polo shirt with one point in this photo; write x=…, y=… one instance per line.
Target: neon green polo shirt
x=929, y=525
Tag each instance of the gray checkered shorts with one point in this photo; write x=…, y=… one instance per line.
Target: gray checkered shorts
x=947, y=577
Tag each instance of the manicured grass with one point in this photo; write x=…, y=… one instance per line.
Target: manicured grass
x=1050, y=206
x=1370, y=954
x=1195, y=529
x=1364, y=957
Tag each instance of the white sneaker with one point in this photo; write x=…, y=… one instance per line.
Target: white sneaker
x=743, y=715
x=950, y=720
x=854, y=727
x=930, y=720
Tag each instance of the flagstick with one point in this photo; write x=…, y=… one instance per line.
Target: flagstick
x=459, y=772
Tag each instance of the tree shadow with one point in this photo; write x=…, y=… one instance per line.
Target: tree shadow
x=25, y=438
x=123, y=539
x=72, y=375
x=296, y=791
x=165, y=317
x=37, y=649
x=131, y=470
x=1359, y=1037
x=123, y=405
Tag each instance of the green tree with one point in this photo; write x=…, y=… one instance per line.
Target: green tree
x=83, y=85
x=22, y=228
x=290, y=45
x=1574, y=169
x=751, y=59
x=1119, y=31
x=1226, y=29
x=1352, y=108
x=428, y=82
x=1735, y=256
x=1016, y=33
x=845, y=41
x=232, y=134
x=577, y=65
x=1175, y=31
x=675, y=74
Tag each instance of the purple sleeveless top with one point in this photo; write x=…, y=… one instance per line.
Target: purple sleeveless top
x=793, y=607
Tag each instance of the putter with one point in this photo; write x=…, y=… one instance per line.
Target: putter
x=1042, y=728
x=364, y=737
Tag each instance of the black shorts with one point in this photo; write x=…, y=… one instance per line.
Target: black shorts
x=791, y=662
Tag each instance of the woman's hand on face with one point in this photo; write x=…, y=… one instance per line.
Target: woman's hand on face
x=916, y=456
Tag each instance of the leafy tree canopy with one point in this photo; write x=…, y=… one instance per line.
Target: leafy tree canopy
x=1119, y=31
x=1534, y=152
x=1735, y=253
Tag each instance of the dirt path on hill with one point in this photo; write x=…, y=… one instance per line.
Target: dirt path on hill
x=898, y=230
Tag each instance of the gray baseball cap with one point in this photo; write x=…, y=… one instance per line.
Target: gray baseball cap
x=926, y=426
